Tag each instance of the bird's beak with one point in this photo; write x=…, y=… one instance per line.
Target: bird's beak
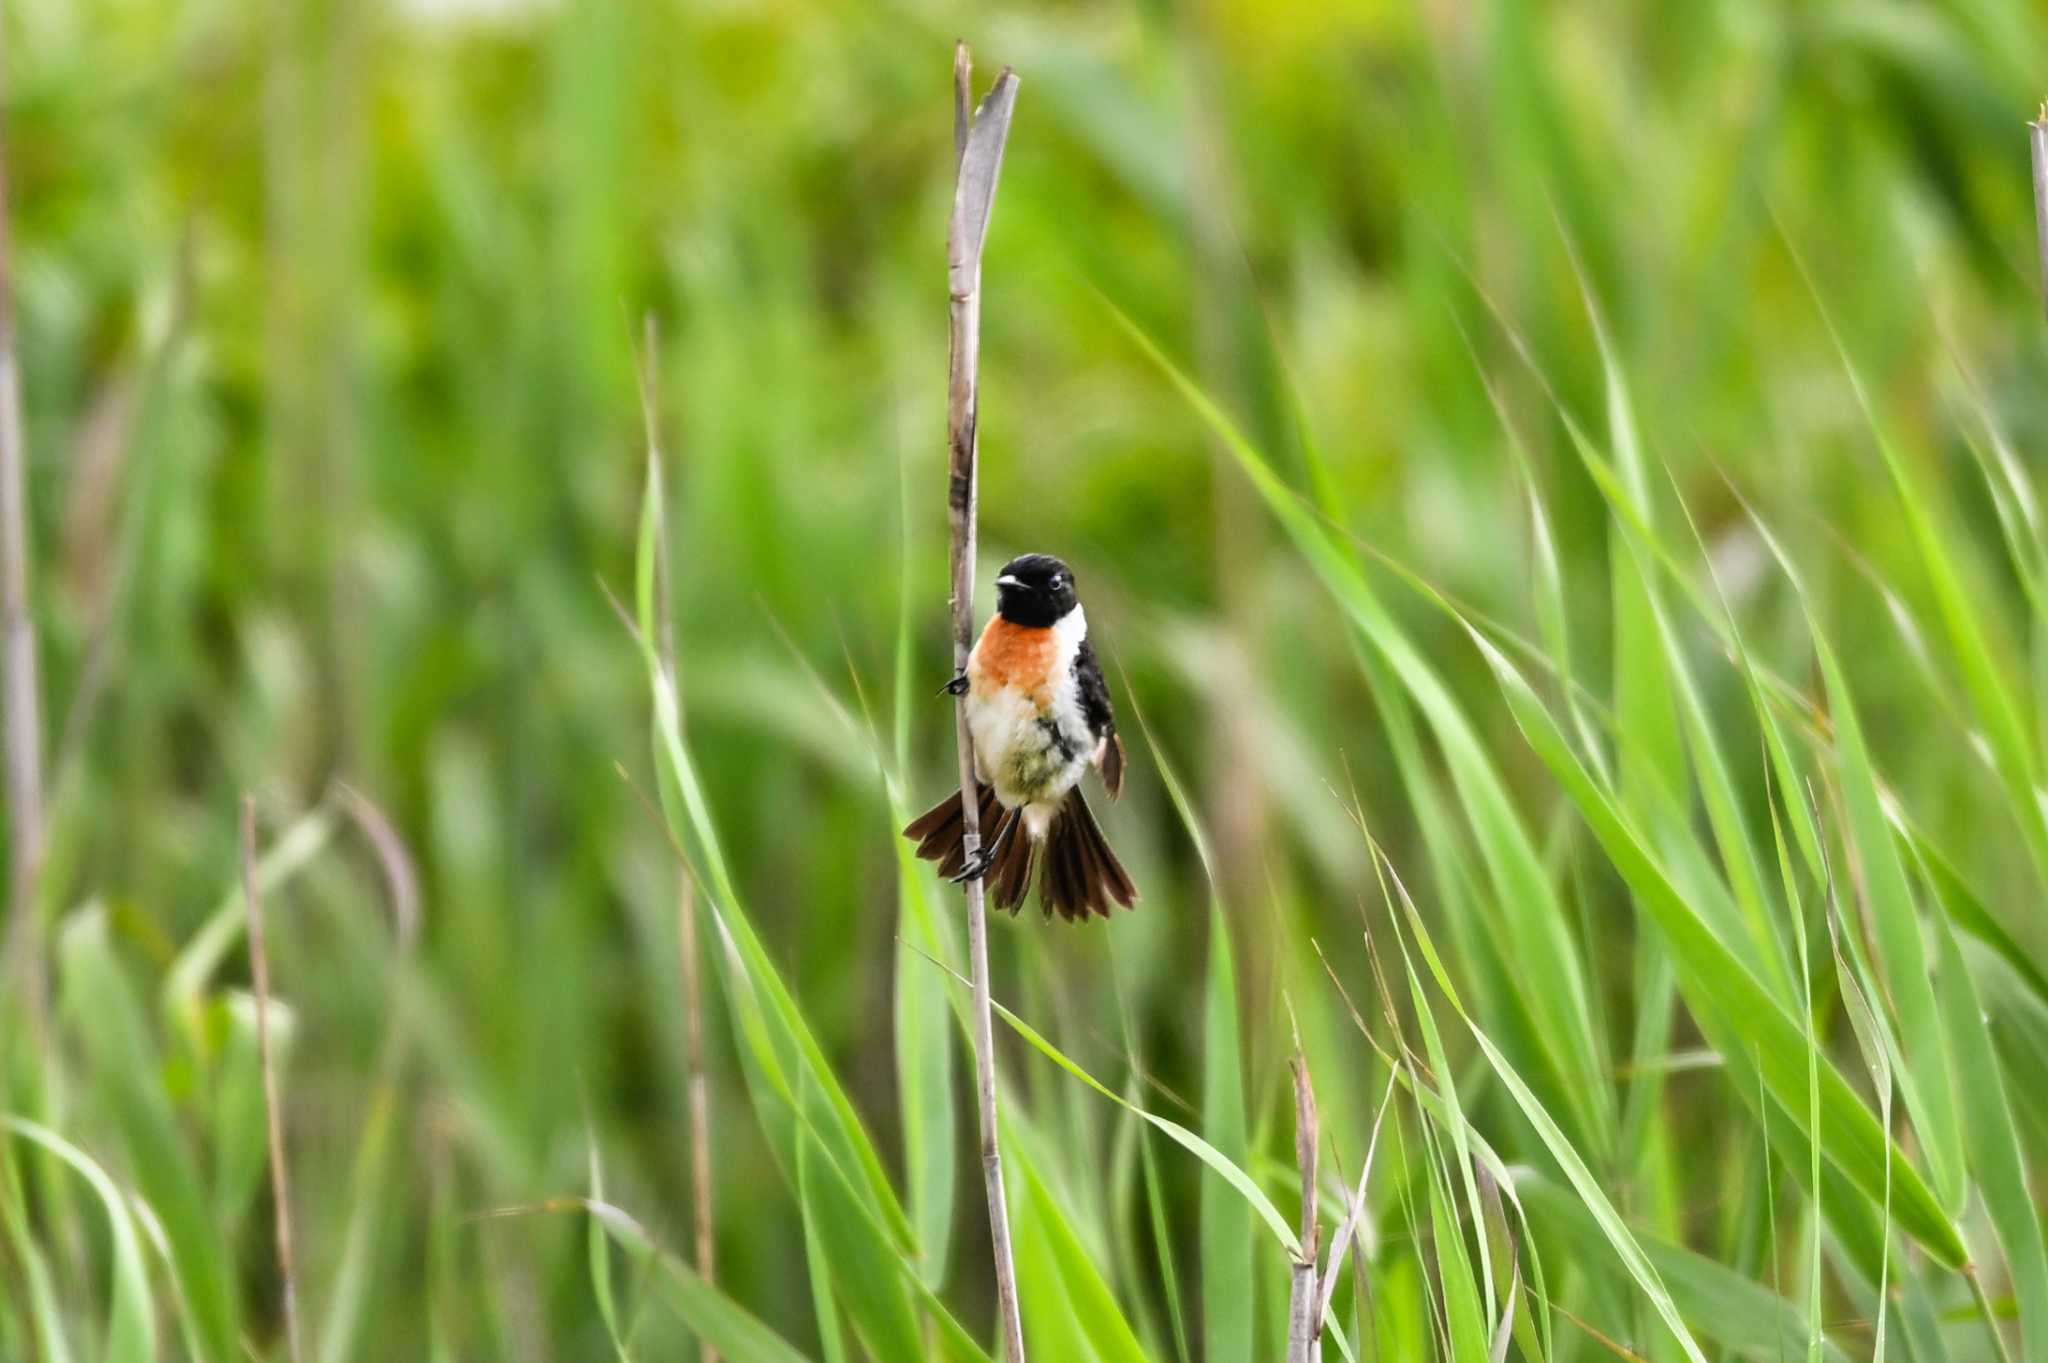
x=1008, y=581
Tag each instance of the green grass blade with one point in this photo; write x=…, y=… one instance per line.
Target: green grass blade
x=1736, y=1312
x=1994, y=1146
x=1077, y=1283
x=223, y=930
x=1848, y=1134
x=924, y=1069
x=1813, y=1177
x=598, y=1249
x=1462, y=1315
x=715, y=1318
x=786, y=1052
x=1461, y=1146
x=1582, y=1179
x=1965, y=908
x=2002, y=716
x=1226, y=1220
x=131, y=1311
x=1926, y=1079
x=1534, y=923
x=45, y=1323
x=371, y=1191
x=1230, y=1171
x=818, y=1262
x=101, y=1006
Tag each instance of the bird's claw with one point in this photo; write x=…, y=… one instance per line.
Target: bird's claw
x=956, y=687
x=977, y=866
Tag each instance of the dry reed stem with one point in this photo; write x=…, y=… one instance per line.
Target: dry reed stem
x=19, y=690
x=978, y=141
x=698, y=1093
x=259, y=959
x=1304, y=1327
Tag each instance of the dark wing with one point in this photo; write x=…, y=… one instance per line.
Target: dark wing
x=1109, y=751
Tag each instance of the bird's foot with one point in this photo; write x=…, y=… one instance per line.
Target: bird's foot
x=956, y=687
x=977, y=865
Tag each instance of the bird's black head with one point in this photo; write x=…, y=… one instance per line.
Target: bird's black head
x=1035, y=590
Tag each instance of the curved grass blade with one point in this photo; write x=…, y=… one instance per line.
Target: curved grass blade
x=924, y=1064
x=1740, y=1314
x=818, y=1260
x=1533, y=920
x=1994, y=1148
x=2005, y=727
x=1963, y=905
x=1227, y=1169
x=599, y=1252
x=1078, y=1286
x=101, y=1005
x=45, y=1316
x=780, y=1038
x=131, y=1311
x=1456, y=1126
x=1713, y=977
x=222, y=932
x=713, y=1316
x=1926, y=1079
x=1561, y=1149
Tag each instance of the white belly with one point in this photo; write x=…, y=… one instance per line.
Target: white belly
x=1029, y=755
x=1032, y=746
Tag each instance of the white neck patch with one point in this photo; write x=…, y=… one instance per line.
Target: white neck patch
x=1070, y=629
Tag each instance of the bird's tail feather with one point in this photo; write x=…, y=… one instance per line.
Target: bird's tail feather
x=940, y=836
x=1082, y=875
x=1009, y=879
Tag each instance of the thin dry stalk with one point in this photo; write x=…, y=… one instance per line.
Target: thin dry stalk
x=2039, y=129
x=978, y=142
x=699, y=1094
x=1304, y=1327
x=1354, y=1211
x=19, y=689
x=259, y=960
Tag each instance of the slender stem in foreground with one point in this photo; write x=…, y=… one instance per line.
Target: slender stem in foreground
x=2039, y=129
x=19, y=691
x=1354, y=1211
x=259, y=959
x=699, y=1096
x=978, y=142
x=1304, y=1326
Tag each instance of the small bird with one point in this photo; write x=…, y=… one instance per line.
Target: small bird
x=1039, y=713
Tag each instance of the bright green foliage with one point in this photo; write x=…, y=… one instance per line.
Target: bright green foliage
x=1557, y=490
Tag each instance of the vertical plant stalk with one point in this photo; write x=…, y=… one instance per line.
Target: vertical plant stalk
x=705, y=1247
x=978, y=140
x=706, y=1254
x=273, y=1109
x=1304, y=1326
x=2039, y=129
x=19, y=690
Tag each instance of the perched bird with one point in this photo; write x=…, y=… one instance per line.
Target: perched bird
x=1039, y=713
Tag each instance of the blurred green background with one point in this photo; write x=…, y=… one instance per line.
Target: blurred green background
x=328, y=320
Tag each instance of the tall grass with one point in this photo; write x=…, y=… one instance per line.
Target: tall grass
x=1623, y=423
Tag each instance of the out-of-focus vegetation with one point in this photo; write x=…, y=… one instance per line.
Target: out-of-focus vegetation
x=1592, y=447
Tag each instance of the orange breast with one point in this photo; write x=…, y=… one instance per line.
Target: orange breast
x=1011, y=655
